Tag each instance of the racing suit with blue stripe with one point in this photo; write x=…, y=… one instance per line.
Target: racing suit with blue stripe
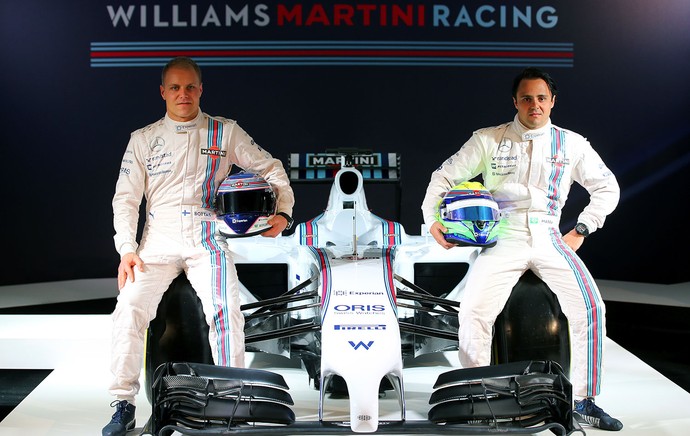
x=529, y=173
x=177, y=167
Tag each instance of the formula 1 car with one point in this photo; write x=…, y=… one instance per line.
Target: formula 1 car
x=353, y=311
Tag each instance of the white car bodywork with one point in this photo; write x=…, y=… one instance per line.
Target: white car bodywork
x=354, y=259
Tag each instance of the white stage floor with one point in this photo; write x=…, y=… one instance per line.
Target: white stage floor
x=73, y=400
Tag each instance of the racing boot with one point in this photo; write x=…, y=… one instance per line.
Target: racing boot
x=122, y=421
x=592, y=414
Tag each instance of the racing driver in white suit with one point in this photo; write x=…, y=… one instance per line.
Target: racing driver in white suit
x=177, y=164
x=529, y=165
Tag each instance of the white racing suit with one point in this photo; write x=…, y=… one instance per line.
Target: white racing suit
x=529, y=173
x=178, y=167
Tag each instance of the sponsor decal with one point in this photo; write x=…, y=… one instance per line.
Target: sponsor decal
x=361, y=344
x=159, y=173
x=348, y=327
x=213, y=152
x=538, y=220
x=157, y=143
x=158, y=157
x=340, y=14
x=283, y=24
x=360, y=308
x=326, y=160
x=505, y=146
x=555, y=160
x=151, y=167
x=529, y=136
x=154, y=164
x=358, y=293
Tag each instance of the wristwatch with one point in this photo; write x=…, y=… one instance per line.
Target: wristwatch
x=582, y=229
x=289, y=219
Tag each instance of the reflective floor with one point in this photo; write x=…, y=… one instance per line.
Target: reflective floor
x=73, y=400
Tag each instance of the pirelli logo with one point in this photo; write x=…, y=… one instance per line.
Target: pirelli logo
x=349, y=327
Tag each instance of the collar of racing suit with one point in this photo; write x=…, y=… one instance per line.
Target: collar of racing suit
x=181, y=127
x=531, y=134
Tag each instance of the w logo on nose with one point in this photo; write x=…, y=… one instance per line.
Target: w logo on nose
x=361, y=344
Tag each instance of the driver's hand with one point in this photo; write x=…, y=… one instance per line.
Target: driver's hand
x=437, y=230
x=573, y=240
x=278, y=223
x=125, y=270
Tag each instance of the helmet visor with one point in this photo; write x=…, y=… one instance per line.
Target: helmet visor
x=259, y=201
x=472, y=210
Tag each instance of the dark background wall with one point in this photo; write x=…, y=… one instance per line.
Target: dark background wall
x=622, y=68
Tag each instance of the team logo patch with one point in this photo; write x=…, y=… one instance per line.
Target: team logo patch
x=157, y=143
x=557, y=160
x=213, y=152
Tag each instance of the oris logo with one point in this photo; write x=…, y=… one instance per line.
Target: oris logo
x=360, y=308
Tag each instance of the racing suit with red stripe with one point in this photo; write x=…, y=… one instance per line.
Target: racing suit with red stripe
x=177, y=167
x=529, y=173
